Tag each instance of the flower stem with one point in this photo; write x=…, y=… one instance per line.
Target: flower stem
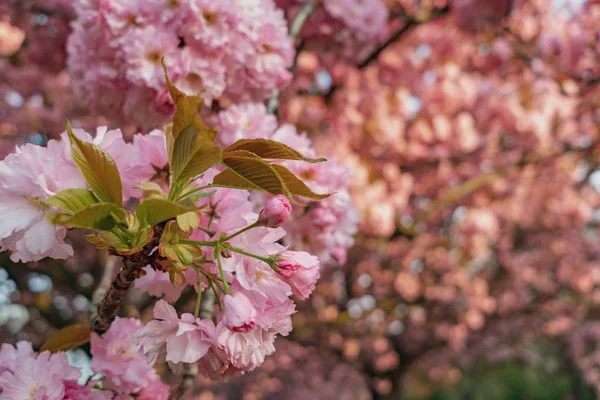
x=199, y=296
x=197, y=243
x=245, y=253
x=192, y=191
x=254, y=225
x=217, y=255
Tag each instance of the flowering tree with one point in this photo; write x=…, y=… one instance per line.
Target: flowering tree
x=465, y=132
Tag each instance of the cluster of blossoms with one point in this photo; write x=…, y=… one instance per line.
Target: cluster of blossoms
x=237, y=50
x=217, y=243
x=325, y=228
x=34, y=173
x=25, y=374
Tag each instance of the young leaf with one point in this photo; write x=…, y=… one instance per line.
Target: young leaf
x=231, y=180
x=98, y=169
x=186, y=109
x=101, y=216
x=72, y=200
x=253, y=171
x=68, y=338
x=295, y=186
x=270, y=149
x=193, y=153
x=155, y=210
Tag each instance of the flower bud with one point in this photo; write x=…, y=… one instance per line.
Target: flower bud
x=276, y=211
x=300, y=270
x=239, y=314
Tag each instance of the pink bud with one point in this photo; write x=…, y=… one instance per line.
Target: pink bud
x=238, y=313
x=300, y=270
x=276, y=211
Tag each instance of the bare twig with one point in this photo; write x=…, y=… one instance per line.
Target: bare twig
x=295, y=29
x=394, y=37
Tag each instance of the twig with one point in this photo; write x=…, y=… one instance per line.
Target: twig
x=295, y=29
x=132, y=269
x=110, y=264
x=402, y=31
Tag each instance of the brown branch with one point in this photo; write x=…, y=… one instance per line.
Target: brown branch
x=132, y=268
x=410, y=23
x=107, y=310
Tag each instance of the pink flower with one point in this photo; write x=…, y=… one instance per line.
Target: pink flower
x=30, y=174
x=43, y=377
x=74, y=391
x=151, y=149
x=215, y=364
x=239, y=314
x=10, y=355
x=300, y=270
x=117, y=357
x=245, y=121
x=245, y=350
x=240, y=50
x=157, y=283
x=174, y=339
x=277, y=210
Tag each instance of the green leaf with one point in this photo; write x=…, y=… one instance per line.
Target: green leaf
x=155, y=210
x=295, y=186
x=265, y=148
x=193, y=154
x=98, y=169
x=72, y=200
x=101, y=216
x=248, y=171
x=68, y=338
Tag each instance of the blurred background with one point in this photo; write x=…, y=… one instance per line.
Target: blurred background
x=472, y=131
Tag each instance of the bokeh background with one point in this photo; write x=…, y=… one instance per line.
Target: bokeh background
x=472, y=131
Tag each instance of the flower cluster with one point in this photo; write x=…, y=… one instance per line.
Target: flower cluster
x=33, y=174
x=117, y=358
x=255, y=277
x=218, y=242
x=325, y=228
x=25, y=374
x=239, y=50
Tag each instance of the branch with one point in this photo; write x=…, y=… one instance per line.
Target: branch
x=110, y=264
x=295, y=29
x=411, y=22
x=132, y=268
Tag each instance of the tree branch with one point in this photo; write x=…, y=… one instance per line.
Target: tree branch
x=132, y=268
x=295, y=29
x=411, y=22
